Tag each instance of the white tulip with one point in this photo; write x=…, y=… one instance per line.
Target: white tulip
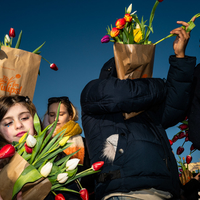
x=133, y=12
x=72, y=164
x=129, y=9
x=62, y=177
x=7, y=39
x=31, y=141
x=46, y=169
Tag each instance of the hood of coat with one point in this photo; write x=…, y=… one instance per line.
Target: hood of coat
x=108, y=69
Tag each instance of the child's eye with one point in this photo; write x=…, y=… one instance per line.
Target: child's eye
x=8, y=124
x=24, y=118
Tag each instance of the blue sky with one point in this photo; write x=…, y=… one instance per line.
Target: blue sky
x=73, y=30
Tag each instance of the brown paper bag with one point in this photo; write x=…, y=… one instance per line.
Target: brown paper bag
x=18, y=72
x=10, y=173
x=134, y=61
x=185, y=177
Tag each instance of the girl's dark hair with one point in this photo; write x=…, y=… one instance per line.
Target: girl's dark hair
x=64, y=100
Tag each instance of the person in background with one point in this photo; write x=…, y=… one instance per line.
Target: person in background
x=68, y=116
x=138, y=159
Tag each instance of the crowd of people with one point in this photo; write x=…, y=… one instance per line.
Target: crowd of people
x=138, y=160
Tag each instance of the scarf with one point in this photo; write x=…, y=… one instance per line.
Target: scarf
x=73, y=130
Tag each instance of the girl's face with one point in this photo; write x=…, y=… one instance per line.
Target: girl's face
x=64, y=116
x=16, y=122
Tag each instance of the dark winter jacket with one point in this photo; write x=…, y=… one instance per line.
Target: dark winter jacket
x=194, y=112
x=143, y=158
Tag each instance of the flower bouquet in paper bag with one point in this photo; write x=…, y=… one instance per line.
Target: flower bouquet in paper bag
x=133, y=52
x=185, y=171
x=34, y=169
x=18, y=68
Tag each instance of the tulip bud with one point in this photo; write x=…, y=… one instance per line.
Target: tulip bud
x=84, y=194
x=160, y=0
x=120, y=23
x=97, y=165
x=62, y=177
x=46, y=169
x=114, y=32
x=129, y=9
x=181, y=135
x=64, y=141
x=105, y=39
x=186, y=139
x=6, y=39
x=12, y=32
x=28, y=149
x=170, y=142
x=192, y=147
x=137, y=34
x=183, y=126
x=72, y=164
x=175, y=138
x=179, y=150
x=128, y=17
x=7, y=151
x=53, y=66
x=31, y=141
x=22, y=138
x=188, y=159
x=180, y=170
x=59, y=197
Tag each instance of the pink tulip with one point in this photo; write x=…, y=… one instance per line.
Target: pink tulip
x=105, y=39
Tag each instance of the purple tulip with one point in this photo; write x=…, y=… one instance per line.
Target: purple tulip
x=105, y=39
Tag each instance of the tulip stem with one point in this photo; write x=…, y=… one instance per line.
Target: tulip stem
x=46, y=60
x=79, y=184
x=54, y=193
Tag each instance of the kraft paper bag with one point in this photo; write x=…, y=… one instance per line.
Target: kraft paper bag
x=134, y=61
x=30, y=191
x=18, y=72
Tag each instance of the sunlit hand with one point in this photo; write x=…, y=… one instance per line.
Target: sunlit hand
x=181, y=40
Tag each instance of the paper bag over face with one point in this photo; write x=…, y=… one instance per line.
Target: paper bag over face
x=134, y=61
x=30, y=191
x=18, y=72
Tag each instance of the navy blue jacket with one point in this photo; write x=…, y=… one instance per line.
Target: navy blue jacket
x=144, y=158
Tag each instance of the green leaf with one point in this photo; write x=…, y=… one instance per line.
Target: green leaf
x=29, y=175
x=37, y=125
x=36, y=50
x=18, y=41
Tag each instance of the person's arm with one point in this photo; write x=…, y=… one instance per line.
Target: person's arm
x=179, y=80
x=114, y=95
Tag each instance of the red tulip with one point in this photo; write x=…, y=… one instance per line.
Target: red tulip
x=105, y=39
x=120, y=23
x=181, y=135
x=188, y=159
x=180, y=170
x=84, y=194
x=59, y=197
x=183, y=126
x=175, y=138
x=160, y=0
x=170, y=142
x=128, y=17
x=12, y=32
x=7, y=151
x=53, y=66
x=192, y=147
x=97, y=165
x=114, y=32
x=179, y=150
x=28, y=149
x=186, y=133
x=186, y=139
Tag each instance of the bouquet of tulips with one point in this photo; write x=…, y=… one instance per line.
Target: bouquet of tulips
x=40, y=152
x=184, y=173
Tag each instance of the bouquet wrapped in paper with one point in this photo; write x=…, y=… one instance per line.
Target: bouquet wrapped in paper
x=133, y=52
x=34, y=169
x=18, y=68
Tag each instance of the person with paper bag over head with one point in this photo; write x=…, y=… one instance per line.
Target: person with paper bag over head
x=139, y=162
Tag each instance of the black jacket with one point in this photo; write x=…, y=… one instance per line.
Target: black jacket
x=144, y=157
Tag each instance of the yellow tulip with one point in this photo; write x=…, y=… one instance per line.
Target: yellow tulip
x=137, y=34
x=64, y=141
x=22, y=138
